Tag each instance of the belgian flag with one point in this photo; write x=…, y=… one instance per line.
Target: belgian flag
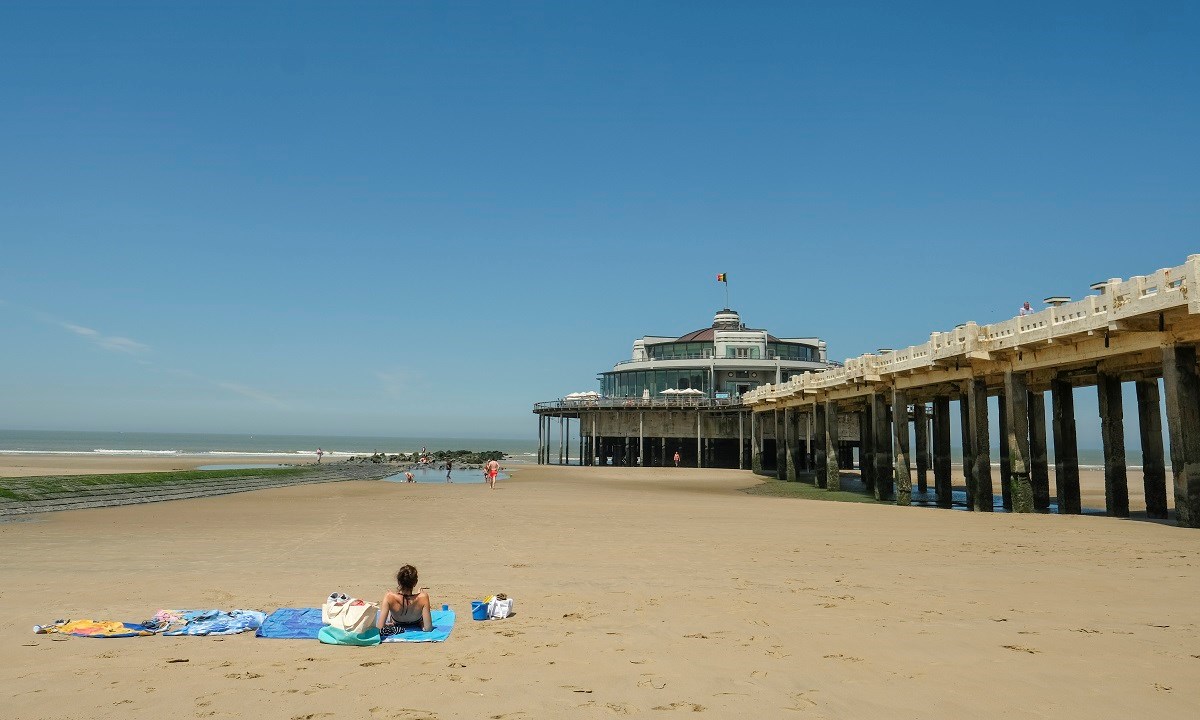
x=722, y=277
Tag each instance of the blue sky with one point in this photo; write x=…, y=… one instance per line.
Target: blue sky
x=419, y=218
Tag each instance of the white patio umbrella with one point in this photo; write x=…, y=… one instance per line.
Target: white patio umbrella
x=669, y=391
x=690, y=391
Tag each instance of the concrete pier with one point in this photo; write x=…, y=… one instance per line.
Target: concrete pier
x=902, y=472
x=833, y=477
x=1182, y=386
x=1154, y=469
x=1112, y=435
x=942, y=487
x=1039, y=467
x=1016, y=391
x=921, y=437
x=1135, y=330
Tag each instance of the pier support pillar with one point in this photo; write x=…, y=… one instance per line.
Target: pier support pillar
x=741, y=441
x=901, y=470
x=866, y=454
x=820, y=448
x=882, y=447
x=641, y=439
x=1005, y=463
x=921, y=435
x=981, y=470
x=832, y=471
x=1016, y=390
x=968, y=444
x=755, y=444
x=1039, y=467
x=1112, y=436
x=789, y=445
x=942, y=487
x=1066, y=447
x=1154, y=470
x=1182, y=388
x=540, y=440
x=699, y=441
x=780, y=451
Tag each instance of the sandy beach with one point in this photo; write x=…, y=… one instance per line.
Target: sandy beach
x=638, y=593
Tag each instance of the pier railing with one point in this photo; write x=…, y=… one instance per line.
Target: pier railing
x=637, y=403
x=1118, y=301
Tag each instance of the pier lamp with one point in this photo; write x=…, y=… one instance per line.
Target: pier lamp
x=1056, y=300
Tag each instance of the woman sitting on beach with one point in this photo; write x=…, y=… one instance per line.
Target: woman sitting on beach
x=404, y=607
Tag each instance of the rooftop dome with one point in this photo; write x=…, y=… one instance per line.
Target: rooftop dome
x=725, y=319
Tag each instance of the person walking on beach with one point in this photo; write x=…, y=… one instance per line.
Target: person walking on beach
x=676, y=458
x=490, y=470
x=320, y=452
x=449, y=467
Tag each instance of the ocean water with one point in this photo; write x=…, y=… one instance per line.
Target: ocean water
x=270, y=447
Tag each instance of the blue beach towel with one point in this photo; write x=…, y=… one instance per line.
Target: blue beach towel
x=292, y=624
x=443, y=624
x=305, y=623
x=215, y=622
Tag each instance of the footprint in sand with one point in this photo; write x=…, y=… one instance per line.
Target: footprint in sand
x=685, y=705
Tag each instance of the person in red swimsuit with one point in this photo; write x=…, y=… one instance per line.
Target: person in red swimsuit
x=490, y=470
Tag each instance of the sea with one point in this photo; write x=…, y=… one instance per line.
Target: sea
x=274, y=448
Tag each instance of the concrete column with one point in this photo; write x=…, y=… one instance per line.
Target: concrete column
x=789, y=449
x=866, y=435
x=820, y=449
x=1112, y=436
x=921, y=428
x=981, y=470
x=942, y=487
x=884, y=480
x=592, y=450
x=901, y=470
x=809, y=422
x=1016, y=389
x=602, y=450
x=755, y=445
x=832, y=471
x=699, y=442
x=641, y=439
x=1005, y=463
x=968, y=444
x=663, y=460
x=562, y=434
x=1182, y=387
x=539, y=452
x=741, y=442
x=780, y=450
x=1154, y=470
x=1039, y=468
x=1066, y=448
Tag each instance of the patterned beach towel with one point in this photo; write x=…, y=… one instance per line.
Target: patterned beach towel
x=100, y=629
x=215, y=622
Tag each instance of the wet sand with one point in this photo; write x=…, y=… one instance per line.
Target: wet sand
x=638, y=592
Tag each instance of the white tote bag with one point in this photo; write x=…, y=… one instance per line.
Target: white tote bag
x=350, y=617
x=499, y=609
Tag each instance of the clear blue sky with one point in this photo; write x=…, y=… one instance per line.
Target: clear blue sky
x=419, y=218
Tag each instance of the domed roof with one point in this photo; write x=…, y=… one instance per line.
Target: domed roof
x=725, y=319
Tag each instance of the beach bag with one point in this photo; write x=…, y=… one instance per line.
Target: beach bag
x=499, y=607
x=352, y=615
x=331, y=635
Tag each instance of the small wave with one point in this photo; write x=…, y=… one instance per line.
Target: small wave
x=105, y=451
